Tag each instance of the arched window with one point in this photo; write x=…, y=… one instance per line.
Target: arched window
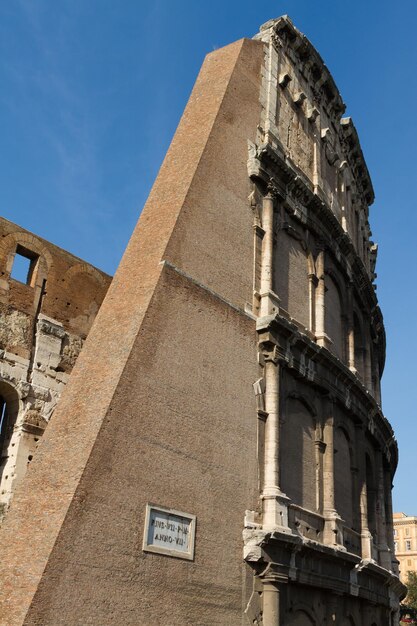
x=297, y=455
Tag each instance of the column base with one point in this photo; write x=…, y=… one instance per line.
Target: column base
x=385, y=557
x=275, y=511
x=333, y=530
x=269, y=303
x=324, y=341
x=367, y=546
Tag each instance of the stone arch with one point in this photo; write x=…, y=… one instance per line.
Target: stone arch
x=334, y=307
x=298, y=452
x=83, y=268
x=302, y=617
x=312, y=283
x=295, y=395
x=311, y=263
x=85, y=289
x=343, y=483
x=28, y=241
x=9, y=411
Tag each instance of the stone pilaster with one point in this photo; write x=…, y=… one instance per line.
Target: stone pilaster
x=351, y=331
x=271, y=615
x=366, y=537
x=321, y=336
x=275, y=512
x=332, y=524
x=269, y=301
x=383, y=547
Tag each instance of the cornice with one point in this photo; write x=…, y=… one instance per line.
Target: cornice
x=276, y=560
x=283, y=35
x=354, y=155
x=286, y=35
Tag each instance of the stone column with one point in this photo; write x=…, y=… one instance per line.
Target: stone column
x=388, y=519
x=270, y=604
x=320, y=447
x=274, y=501
x=269, y=300
x=312, y=285
x=317, y=181
x=271, y=475
x=384, y=551
x=320, y=331
x=366, y=537
x=351, y=331
x=332, y=534
x=320, y=292
x=367, y=359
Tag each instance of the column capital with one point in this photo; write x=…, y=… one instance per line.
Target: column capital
x=272, y=191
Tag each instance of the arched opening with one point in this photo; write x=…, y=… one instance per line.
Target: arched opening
x=291, y=282
x=333, y=318
x=9, y=409
x=297, y=455
x=359, y=346
x=302, y=618
x=343, y=476
x=376, y=388
x=371, y=493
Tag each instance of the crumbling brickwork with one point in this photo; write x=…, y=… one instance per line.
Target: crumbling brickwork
x=46, y=312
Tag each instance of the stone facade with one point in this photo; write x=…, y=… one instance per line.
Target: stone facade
x=44, y=320
x=326, y=517
x=405, y=543
x=232, y=375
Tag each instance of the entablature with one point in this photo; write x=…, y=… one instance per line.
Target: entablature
x=282, y=557
x=282, y=341
x=354, y=155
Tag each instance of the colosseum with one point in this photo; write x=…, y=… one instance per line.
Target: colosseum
x=230, y=383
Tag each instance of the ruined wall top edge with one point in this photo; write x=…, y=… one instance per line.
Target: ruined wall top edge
x=315, y=83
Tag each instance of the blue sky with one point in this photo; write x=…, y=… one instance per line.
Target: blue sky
x=92, y=91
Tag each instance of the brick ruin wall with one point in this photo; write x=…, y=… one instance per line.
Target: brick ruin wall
x=45, y=316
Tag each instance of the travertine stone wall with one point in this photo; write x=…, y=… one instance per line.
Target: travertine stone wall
x=328, y=451
x=44, y=322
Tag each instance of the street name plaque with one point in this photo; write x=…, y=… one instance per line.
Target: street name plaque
x=169, y=532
